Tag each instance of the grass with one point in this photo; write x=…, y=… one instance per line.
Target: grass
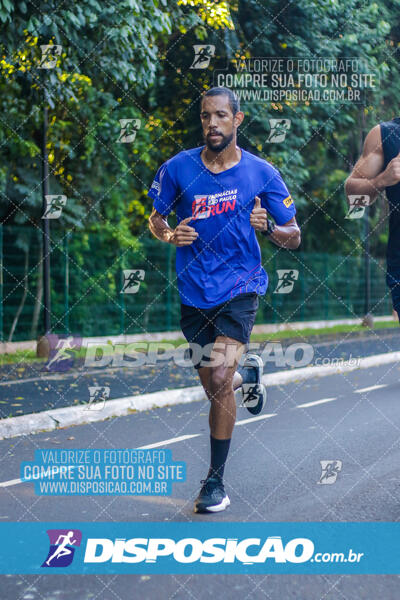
x=23, y=356
x=305, y=333
x=19, y=356
x=260, y=337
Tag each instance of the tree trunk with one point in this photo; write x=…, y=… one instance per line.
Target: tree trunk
x=22, y=303
x=39, y=296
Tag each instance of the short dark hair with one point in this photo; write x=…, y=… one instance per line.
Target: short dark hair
x=234, y=101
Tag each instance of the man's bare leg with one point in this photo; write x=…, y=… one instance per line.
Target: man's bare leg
x=219, y=383
x=218, y=380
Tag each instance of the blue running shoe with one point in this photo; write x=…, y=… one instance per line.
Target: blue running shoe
x=212, y=496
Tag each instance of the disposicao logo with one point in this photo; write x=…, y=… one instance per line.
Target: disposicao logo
x=61, y=551
x=191, y=550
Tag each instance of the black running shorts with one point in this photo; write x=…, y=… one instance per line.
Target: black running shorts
x=233, y=318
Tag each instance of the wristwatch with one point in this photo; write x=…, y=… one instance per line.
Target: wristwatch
x=270, y=228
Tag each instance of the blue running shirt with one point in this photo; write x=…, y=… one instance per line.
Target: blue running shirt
x=225, y=259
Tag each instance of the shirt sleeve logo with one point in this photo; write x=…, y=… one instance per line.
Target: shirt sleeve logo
x=288, y=201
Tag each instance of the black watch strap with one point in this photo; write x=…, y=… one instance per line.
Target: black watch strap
x=270, y=228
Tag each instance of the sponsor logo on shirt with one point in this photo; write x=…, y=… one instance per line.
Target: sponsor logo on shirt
x=205, y=206
x=288, y=201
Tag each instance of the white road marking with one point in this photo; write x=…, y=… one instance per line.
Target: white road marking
x=181, y=438
x=315, y=403
x=10, y=482
x=148, y=447
x=244, y=421
x=170, y=441
x=370, y=389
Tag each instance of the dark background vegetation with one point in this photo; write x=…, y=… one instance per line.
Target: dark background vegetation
x=131, y=59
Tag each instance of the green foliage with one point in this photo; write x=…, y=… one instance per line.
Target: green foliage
x=108, y=59
x=131, y=60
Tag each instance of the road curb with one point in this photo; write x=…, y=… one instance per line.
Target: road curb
x=9, y=347
x=80, y=415
x=366, y=362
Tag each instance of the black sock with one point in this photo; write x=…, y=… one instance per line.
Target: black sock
x=219, y=453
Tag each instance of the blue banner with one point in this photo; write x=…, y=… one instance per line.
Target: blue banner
x=200, y=547
x=105, y=472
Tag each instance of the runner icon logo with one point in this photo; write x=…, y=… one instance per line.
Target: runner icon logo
x=330, y=470
x=62, y=547
x=279, y=129
x=286, y=281
x=357, y=206
x=132, y=280
x=202, y=55
x=50, y=55
x=251, y=394
x=129, y=129
x=54, y=206
x=62, y=351
x=97, y=397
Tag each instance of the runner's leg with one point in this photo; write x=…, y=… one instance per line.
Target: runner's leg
x=217, y=381
x=218, y=384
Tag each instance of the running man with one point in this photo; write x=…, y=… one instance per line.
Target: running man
x=376, y=170
x=62, y=546
x=66, y=351
x=133, y=281
x=221, y=194
x=288, y=279
x=203, y=56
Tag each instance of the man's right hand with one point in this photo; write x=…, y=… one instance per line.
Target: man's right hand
x=183, y=235
x=391, y=175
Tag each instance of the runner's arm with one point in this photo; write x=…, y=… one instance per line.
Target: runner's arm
x=182, y=235
x=368, y=177
x=287, y=235
x=159, y=227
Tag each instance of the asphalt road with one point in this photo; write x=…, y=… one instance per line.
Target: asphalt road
x=25, y=388
x=272, y=475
